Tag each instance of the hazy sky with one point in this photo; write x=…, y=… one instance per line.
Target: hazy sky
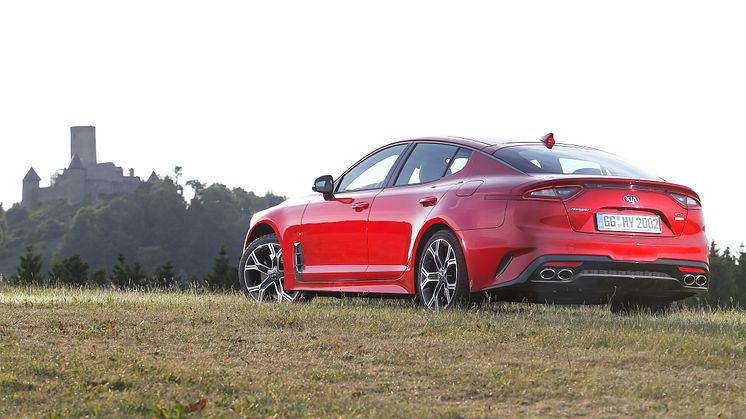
x=269, y=95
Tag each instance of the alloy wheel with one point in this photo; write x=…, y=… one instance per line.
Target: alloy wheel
x=438, y=275
x=264, y=274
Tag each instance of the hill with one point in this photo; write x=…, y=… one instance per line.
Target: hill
x=154, y=225
x=124, y=354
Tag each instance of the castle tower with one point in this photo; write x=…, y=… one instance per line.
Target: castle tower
x=30, y=189
x=83, y=143
x=75, y=179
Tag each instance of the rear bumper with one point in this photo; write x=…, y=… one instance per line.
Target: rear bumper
x=500, y=256
x=599, y=279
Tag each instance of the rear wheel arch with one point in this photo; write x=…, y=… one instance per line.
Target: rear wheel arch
x=424, y=236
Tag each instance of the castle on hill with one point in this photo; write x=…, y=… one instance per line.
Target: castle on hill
x=84, y=179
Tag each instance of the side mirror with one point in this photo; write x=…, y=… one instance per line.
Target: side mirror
x=324, y=184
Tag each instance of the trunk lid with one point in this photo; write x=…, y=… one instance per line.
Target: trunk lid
x=622, y=206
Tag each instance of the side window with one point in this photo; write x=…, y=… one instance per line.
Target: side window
x=459, y=162
x=428, y=162
x=371, y=173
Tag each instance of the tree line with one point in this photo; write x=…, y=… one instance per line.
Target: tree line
x=727, y=279
x=74, y=271
x=155, y=229
x=155, y=238
x=727, y=276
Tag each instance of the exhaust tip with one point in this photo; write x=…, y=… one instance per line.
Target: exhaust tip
x=689, y=280
x=565, y=274
x=701, y=280
x=547, y=274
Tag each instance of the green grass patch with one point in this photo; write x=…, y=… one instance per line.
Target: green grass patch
x=71, y=352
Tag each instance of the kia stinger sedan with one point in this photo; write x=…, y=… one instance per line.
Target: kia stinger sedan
x=450, y=219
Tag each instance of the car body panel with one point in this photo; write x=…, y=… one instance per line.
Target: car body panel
x=334, y=236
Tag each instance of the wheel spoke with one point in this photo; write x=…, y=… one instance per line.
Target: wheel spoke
x=448, y=292
x=434, y=297
x=257, y=291
x=277, y=259
x=284, y=295
x=428, y=278
x=264, y=286
x=257, y=266
x=435, y=255
x=450, y=257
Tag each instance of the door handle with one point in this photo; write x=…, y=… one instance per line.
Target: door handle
x=360, y=206
x=428, y=201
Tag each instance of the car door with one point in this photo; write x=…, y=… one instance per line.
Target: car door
x=400, y=211
x=334, y=229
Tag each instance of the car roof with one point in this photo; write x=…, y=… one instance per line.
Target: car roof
x=484, y=144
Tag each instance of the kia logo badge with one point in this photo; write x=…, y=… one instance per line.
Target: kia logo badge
x=631, y=199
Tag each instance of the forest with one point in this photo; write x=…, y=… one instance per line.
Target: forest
x=152, y=232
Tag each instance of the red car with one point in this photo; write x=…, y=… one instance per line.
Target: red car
x=452, y=219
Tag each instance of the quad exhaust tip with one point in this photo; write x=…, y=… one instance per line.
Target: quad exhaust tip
x=565, y=274
x=695, y=280
x=547, y=274
x=689, y=280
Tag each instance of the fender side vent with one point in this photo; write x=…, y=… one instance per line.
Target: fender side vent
x=298, y=257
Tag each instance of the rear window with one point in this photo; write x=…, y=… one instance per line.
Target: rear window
x=568, y=161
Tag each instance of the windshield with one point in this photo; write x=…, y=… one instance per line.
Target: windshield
x=568, y=161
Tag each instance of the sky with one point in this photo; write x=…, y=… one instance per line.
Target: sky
x=269, y=95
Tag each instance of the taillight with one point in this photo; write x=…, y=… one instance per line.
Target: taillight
x=553, y=192
x=548, y=140
x=562, y=264
x=685, y=200
x=691, y=270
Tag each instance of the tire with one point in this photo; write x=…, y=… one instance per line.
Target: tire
x=441, y=281
x=261, y=272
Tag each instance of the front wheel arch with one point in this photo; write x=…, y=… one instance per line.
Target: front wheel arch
x=261, y=229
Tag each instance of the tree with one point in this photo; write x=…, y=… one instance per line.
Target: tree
x=98, y=277
x=741, y=278
x=723, y=287
x=165, y=276
x=70, y=271
x=125, y=275
x=29, y=269
x=196, y=185
x=57, y=274
x=84, y=236
x=137, y=274
x=77, y=269
x=178, y=171
x=119, y=273
x=223, y=274
x=3, y=225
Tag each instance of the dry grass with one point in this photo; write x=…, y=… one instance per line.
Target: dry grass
x=101, y=353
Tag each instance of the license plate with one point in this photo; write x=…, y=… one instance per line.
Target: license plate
x=628, y=222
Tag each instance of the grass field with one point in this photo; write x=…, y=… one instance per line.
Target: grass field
x=104, y=353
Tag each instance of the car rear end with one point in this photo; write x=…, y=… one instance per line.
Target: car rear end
x=588, y=227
